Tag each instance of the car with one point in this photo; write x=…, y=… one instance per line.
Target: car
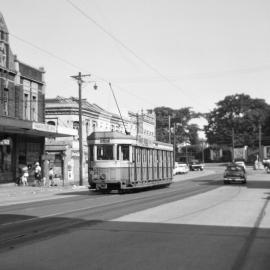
x=180, y=168
x=196, y=165
x=241, y=163
x=235, y=173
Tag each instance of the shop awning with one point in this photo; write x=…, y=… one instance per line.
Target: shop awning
x=9, y=125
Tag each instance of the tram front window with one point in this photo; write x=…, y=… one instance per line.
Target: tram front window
x=123, y=152
x=104, y=152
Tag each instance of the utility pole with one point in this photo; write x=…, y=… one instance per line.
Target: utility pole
x=169, y=129
x=174, y=143
x=186, y=155
x=260, y=142
x=80, y=81
x=203, y=151
x=232, y=144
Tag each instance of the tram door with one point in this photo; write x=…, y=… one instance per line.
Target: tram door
x=150, y=164
x=170, y=154
x=164, y=164
x=160, y=165
x=138, y=164
x=144, y=164
x=155, y=164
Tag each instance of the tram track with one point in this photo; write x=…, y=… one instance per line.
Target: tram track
x=41, y=227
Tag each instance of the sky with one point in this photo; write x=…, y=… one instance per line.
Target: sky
x=173, y=53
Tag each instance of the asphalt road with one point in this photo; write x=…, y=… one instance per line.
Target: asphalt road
x=194, y=224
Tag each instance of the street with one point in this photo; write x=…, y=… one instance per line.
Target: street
x=196, y=223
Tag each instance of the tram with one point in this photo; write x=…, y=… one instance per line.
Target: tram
x=123, y=162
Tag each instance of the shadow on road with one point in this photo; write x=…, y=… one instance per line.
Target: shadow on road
x=99, y=244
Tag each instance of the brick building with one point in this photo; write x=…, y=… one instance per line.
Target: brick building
x=64, y=153
x=22, y=112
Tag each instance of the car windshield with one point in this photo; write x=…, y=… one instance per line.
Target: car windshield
x=195, y=162
x=234, y=168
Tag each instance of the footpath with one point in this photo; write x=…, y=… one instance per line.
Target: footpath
x=11, y=194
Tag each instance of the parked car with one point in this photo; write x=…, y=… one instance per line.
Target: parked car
x=180, y=168
x=196, y=165
x=235, y=173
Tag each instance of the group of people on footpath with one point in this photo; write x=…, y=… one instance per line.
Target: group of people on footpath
x=24, y=171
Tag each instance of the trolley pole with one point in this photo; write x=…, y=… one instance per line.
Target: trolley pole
x=80, y=82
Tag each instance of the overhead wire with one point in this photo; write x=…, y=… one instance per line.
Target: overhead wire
x=103, y=29
x=100, y=78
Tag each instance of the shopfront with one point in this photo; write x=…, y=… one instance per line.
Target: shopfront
x=6, y=157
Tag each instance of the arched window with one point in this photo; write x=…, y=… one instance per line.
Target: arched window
x=76, y=125
x=87, y=127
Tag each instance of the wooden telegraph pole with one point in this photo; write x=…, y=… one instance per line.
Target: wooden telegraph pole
x=80, y=82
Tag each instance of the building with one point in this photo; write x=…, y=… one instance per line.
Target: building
x=64, y=153
x=22, y=112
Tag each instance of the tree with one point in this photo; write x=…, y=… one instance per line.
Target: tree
x=184, y=132
x=240, y=115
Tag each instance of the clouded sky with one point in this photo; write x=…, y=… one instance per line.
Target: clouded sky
x=173, y=53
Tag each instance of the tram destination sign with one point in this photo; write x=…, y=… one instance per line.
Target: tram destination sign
x=104, y=140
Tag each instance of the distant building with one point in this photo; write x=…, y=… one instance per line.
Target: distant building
x=22, y=112
x=64, y=153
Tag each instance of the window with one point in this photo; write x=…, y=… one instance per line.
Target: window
x=34, y=109
x=5, y=157
x=52, y=123
x=26, y=107
x=76, y=125
x=5, y=100
x=123, y=152
x=91, y=153
x=94, y=125
x=87, y=127
x=34, y=101
x=105, y=152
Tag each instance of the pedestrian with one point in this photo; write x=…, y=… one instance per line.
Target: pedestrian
x=51, y=176
x=37, y=170
x=24, y=177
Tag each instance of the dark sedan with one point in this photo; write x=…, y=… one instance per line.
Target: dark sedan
x=196, y=165
x=235, y=173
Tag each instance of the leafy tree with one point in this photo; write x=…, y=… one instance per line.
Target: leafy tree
x=184, y=132
x=239, y=114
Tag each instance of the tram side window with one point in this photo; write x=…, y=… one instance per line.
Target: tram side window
x=133, y=154
x=105, y=152
x=91, y=152
x=123, y=152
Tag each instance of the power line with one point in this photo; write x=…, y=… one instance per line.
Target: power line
x=45, y=51
x=75, y=66
x=123, y=45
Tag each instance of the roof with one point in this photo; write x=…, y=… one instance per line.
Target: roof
x=109, y=134
x=3, y=26
x=74, y=102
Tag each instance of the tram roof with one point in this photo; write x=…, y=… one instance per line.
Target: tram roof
x=109, y=134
